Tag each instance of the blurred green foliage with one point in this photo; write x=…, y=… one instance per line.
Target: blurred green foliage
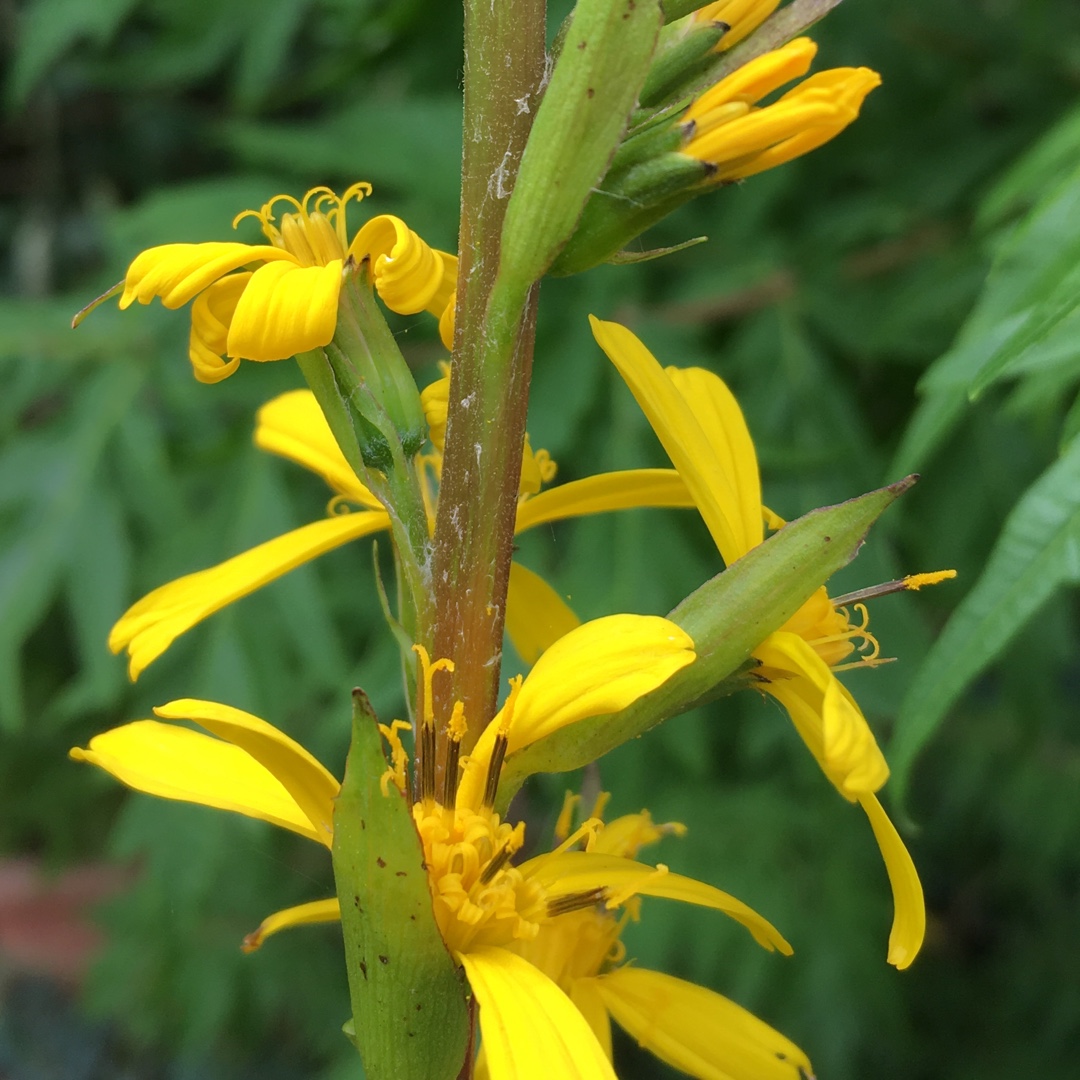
x=906, y=297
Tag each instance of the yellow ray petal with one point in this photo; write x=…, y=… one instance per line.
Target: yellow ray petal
x=293, y=425
x=698, y=1031
x=211, y=315
x=177, y=272
x=536, y=615
x=434, y=399
x=286, y=309
x=601, y=667
x=824, y=713
x=408, y=274
x=305, y=779
x=909, y=909
x=151, y=625
x=679, y=432
x=586, y=996
x=604, y=492
x=718, y=413
x=581, y=871
x=530, y=1028
x=177, y=763
x=316, y=911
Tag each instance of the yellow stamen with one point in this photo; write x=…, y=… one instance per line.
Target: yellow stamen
x=617, y=899
x=586, y=830
x=398, y=755
x=917, y=581
x=566, y=816
x=428, y=668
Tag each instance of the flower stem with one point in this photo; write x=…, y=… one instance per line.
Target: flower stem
x=492, y=361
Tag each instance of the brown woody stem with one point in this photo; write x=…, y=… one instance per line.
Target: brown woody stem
x=492, y=360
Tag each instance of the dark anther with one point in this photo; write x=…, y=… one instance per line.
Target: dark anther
x=498, y=752
x=563, y=905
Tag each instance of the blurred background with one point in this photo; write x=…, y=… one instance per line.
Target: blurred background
x=901, y=300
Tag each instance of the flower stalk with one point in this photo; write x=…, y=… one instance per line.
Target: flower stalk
x=492, y=358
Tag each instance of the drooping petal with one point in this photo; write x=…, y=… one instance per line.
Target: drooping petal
x=211, y=315
x=316, y=911
x=601, y=667
x=718, y=413
x=530, y=1028
x=177, y=272
x=151, y=625
x=177, y=763
x=909, y=908
x=604, y=492
x=536, y=615
x=286, y=309
x=293, y=425
x=582, y=871
x=409, y=275
x=586, y=996
x=698, y=1031
x=824, y=714
x=304, y=778
x=680, y=434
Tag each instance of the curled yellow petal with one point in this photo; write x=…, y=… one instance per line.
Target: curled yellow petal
x=293, y=425
x=211, y=315
x=604, y=492
x=434, y=399
x=530, y=1028
x=680, y=434
x=312, y=787
x=286, y=309
x=178, y=763
x=698, y=1031
x=909, y=908
x=408, y=275
x=151, y=625
x=316, y=911
x=824, y=713
x=177, y=272
x=580, y=871
x=600, y=667
x=536, y=615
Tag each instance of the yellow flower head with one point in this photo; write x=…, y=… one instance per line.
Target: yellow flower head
x=729, y=128
x=487, y=908
x=271, y=301
x=742, y=16
x=699, y=422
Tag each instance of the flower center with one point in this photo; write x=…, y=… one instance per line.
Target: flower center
x=316, y=234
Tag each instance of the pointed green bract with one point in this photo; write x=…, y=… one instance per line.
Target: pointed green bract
x=594, y=87
x=727, y=618
x=408, y=1001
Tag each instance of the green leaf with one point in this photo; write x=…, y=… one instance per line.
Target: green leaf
x=408, y=1001
x=727, y=618
x=581, y=119
x=1037, y=552
x=50, y=27
x=1024, y=320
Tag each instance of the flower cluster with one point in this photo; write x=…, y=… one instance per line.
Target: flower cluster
x=538, y=938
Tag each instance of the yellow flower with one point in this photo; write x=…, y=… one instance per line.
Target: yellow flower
x=701, y=426
x=486, y=907
x=288, y=302
x=742, y=16
x=727, y=127
x=293, y=426
x=689, y=1027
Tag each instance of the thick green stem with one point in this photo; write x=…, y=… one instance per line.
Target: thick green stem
x=492, y=362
